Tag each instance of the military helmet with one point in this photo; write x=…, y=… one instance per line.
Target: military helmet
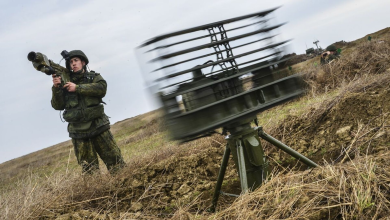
x=331, y=48
x=77, y=53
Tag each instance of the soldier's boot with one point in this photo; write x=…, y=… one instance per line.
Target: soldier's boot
x=89, y=168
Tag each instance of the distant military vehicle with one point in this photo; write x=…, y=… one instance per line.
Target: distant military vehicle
x=310, y=51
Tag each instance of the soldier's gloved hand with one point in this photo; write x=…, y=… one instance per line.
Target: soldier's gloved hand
x=56, y=80
x=71, y=87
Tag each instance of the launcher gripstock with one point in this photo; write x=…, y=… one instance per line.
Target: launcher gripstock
x=41, y=63
x=222, y=79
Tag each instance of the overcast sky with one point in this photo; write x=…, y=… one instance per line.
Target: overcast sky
x=109, y=31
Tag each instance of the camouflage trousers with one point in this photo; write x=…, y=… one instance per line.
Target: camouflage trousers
x=104, y=145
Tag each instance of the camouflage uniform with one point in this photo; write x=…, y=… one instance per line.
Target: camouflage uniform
x=88, y=125
x=86, y=151
x=330, y=57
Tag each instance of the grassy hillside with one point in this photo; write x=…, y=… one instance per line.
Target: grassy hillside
x=341, y=123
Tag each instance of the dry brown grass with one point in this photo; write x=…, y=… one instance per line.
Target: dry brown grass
x=356, y=187
x=357, y=190
x=366, y=59
x=64, y=190
x=360, y=106
x=25, y=198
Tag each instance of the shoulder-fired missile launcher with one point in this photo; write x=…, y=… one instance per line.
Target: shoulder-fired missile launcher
x=43, y=64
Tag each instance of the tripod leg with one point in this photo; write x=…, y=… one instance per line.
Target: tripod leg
x=286, y=148
x=221, y=175
x=242, y=167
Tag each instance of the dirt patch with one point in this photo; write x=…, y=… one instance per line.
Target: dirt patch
x=355, y=121
x=159, y=189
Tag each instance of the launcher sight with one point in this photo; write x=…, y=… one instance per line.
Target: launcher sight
x=43, y=64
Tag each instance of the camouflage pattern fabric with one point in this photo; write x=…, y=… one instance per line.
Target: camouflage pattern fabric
x=88, y=124
x=104, y=145
x=97, y=88
x=331, y=48
x=88, y=94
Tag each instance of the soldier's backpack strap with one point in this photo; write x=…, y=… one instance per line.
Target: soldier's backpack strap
x=90, y=76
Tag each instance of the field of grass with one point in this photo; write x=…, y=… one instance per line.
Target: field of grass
x=342, y=123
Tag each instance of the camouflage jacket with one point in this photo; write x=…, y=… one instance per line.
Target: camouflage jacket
x=329, y=58
x=83, y=108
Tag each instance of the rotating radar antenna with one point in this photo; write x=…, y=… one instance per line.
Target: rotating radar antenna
x=221, y=75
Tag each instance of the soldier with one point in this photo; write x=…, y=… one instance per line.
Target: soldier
x=329, y=55
x=88, y=126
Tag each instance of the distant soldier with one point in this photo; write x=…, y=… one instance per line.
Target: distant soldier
x=88, y=126
x=330, y=54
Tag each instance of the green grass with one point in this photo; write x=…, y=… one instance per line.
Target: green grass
x=297, y=107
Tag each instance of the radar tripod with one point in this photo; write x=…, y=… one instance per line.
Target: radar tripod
x=245, y=146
